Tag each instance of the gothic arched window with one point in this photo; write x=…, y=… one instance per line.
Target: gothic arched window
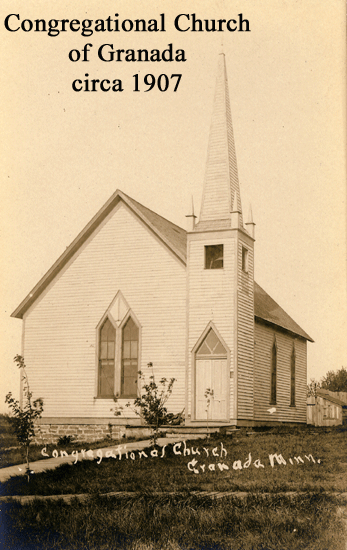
x=292, y=378
x=130, y=350
x=107, y=344
x=273, y=396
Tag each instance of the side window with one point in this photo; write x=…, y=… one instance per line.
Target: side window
x=292, y=378
x=129, y=369
x=214, y=256
x=273, y=396
x=107, y=341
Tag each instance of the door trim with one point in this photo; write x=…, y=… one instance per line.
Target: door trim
x=209, y=326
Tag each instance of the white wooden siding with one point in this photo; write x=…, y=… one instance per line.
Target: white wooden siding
x=245, y=335
x=60, y=336
x=210, y=298
x=264, y=338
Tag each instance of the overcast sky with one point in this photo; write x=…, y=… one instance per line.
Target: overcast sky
x=64, y=153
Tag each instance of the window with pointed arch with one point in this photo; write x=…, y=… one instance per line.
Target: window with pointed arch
x=118, y=376
x=107, y=346
x=292, y=378
x=211, y=346
x=130, y=350
x=273, y=396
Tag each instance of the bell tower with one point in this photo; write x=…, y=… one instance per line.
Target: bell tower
x=220, y=284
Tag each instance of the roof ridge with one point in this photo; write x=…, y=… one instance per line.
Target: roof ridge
x=152, y=211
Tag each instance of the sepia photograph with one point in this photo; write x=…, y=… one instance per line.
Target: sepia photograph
x=174, y=275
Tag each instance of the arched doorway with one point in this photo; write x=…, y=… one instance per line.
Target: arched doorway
x=211, y=377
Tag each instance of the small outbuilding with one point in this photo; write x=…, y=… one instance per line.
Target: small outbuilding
x=325, y=409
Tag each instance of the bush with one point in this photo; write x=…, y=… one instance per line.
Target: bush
x=151, y=404
x=65, y=440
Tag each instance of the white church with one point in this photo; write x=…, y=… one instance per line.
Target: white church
x=134, y=288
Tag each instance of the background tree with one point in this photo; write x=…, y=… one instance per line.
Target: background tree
x=335, y=381
x=23, y=416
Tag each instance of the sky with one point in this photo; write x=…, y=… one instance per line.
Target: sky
x=63, y=153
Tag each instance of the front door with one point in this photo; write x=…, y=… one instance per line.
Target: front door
x=211, y=380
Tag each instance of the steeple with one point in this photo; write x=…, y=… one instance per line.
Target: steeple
x=221, y=184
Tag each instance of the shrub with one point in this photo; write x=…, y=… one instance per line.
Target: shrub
x=151, y=404
x=65, y=440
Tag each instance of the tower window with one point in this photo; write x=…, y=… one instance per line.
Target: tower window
x=214, y=256
x=244, y=259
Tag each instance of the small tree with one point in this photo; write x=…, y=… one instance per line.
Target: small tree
x=23, y=416
x=151, y=404
x=312, y=388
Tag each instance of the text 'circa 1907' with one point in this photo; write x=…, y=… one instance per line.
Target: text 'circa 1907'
x=201, y=459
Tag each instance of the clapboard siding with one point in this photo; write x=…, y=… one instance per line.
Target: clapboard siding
x=210, y=298
x=60, y=327
x=245, y=334
x=264, y=339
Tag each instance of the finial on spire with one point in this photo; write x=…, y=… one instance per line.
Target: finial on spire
x=191, y=218
x=250, y=224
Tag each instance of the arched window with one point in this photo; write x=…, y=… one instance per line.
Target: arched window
x=107, y=341
x=130, y=347
x=273, y=374
x=292, y=378
x=211, y=345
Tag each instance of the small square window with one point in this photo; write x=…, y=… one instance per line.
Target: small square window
x=214, y=256
x=244, y=259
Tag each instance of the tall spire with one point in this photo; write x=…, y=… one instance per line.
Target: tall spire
x=221, y=184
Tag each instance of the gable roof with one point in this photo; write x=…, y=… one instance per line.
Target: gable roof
x=175, y=238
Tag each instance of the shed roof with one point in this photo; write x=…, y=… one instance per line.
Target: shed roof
x=175, y=238
x=327, y=395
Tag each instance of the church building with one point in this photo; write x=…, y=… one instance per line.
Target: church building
x=134, y=288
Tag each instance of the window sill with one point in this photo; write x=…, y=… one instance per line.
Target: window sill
x=115, y=397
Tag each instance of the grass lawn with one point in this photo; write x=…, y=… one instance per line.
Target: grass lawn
x=245, y=465
x=173, y=523
x=307, y=460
